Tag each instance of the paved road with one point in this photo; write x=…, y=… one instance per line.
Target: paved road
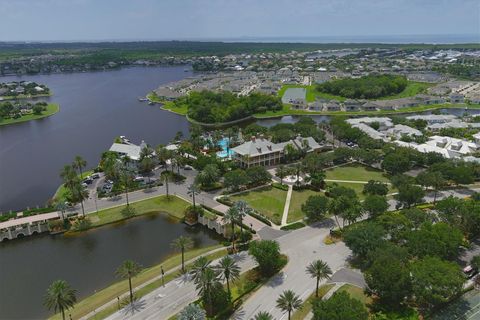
x=166, y=301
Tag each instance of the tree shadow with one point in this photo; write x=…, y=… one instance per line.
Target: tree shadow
x=276, y=280
x=135, y=306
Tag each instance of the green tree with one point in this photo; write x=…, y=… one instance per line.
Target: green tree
x=374, y=205
x=281, y=172
x=229, y=271
x=409, y=195
x=192, y=312
x=395, y=163
x=208, y=285
x=234, y=179
x=435, y=282
x=375, y=188
x=208, y=176
x=232, y=216
x=433, y=179
x=267, y=254
x=198, y=267
x=258, y=175
x=364, y=238
x=60, y=297
x=475, y=262
x=319, y=270
x=181, y=244
x=316, y=207
x=79, y=163
x=339, y=307
x=193, y=190
x=288, y=302
x=243, y=210
x=263, y=315
x=127, y=270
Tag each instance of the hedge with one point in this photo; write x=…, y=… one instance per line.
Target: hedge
x=293, y=226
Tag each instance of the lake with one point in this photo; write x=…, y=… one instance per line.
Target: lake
x=87, y=261
x=95, y=107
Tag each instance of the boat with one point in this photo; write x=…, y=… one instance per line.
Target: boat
x=151, y=102
x=142, y=99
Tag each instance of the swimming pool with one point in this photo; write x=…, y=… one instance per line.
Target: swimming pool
x=224, y=144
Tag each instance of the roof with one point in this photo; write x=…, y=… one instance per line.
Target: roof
x=258, y=146
x=131, y=150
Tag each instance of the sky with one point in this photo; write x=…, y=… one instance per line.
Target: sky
x=73, y=20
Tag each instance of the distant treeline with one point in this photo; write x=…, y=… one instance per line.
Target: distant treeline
x=149, y=49
x=367, y=87
x=211, y=107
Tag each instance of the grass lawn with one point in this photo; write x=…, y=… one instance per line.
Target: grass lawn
x=268, y=201
x=355, y=172
x=173, y=206
x=52, y=108
x=307, y=304
x=356, y=293
x=111, y=292
x=413, y=88
x=168, y=105
x=295, y=212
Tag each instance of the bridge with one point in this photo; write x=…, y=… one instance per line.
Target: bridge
x=26, y=226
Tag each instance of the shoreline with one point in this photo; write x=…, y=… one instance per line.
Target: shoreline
x=55, y=108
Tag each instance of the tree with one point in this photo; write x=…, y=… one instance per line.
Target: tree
x=79, y=194
x=192, y=312
x=228, y=270
x=375, y=188
x=267, y=255
x=127, y=270
x=182, y=243
x=339, y=307
x=281, y=173
x=396, y=162
x=475, y=262
x=37, y=109
x=288, y=302
x=234, y=179
x=374, y=205
x=315, y=207
x=348, y=208
x=258, y=175
x=431, y=179
x=364, y=238
x=232, y=216
x=79, y=163
x=409, y=195
x=263, y=315
x=208, y=285
x=435, y=281
x=60, y=297
x=164, y=178
x=389, y=279
x=243, y=210
x=319, y=270
x=208, y=176
x=192, y=191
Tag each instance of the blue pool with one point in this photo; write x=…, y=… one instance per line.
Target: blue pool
x=223, y=144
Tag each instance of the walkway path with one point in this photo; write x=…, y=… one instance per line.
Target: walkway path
x=287, y=205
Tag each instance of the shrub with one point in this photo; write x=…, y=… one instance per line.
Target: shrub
x=293, y=226
x=81, y=224
x=260, y=217
x=277, y=185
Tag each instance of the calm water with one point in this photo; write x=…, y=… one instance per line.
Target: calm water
x=95, y=107
x=87, y=262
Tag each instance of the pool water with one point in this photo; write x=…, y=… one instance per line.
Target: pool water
x=223, y=144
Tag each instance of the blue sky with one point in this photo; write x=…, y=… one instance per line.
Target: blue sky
x=204, y=19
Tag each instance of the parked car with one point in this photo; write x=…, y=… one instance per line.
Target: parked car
x=88, y=180
x=470, y=272
x=84, y=185
x=95, y=175
x=139, y=179
x=187, y=167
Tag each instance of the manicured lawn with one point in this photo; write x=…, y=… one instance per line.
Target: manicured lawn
x=355, y=172
x=109, y=293
x=52, y=108
x=168, y=105
x=295, y=212
x=307, y=304
x=413, y=88
x=173, y=206
x=268, y=201
x=356, y=293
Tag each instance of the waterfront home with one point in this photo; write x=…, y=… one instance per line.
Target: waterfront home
x=352, y=105
x=127, y=149
x=167, y=94
x=260, y=151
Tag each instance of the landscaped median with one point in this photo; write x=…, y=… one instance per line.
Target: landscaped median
x=150, y=275
x=51, y=109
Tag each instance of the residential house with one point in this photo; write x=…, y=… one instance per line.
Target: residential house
x=457, y=98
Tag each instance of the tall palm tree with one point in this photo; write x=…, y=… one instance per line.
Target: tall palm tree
x=198, y=267
x=127, y=270
x=164, y=178
x=298, y=169
x=263, y=315
x=231, y=216
x=320, y=270
x=289, y=301
x=68, y=176
x=192, y=312
x=192, y=191
x=79, y=194
x=229, y=271
x=79, y=163
x=61, y=206
x=243, y=209
x=207, y=284
x=182, y=243
x=60, y=297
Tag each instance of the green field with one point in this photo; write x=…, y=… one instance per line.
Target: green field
x=52, y=108
x=295, y=212
x=268, y=201
x=355, y=172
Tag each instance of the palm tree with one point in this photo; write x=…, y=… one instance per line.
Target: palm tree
x=263, y=315
x=320, y=270
x=126, y=176
x=79, y=194
x=243, y=209
x=231, y=216
x=192, y=312
x=281, y=172
x=164, y=178
x=60, y=297
x=61, y=206
x=192, y=191
x=127, y=270
x=68, y=176
x=182, y=243
x=298, y=170
x=289, y=301
x=198, y=267
x=229, y=270
x=207, y=284
x=79, y=163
